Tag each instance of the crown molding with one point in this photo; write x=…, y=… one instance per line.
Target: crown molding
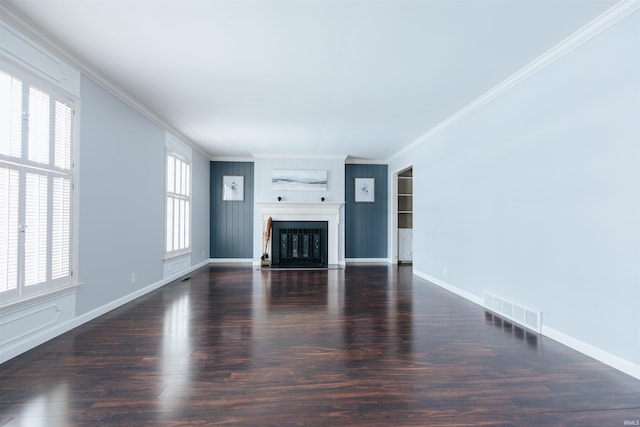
x=31, y=30
x=231, y=159
x=300, y=156
x=609, y=18
x=361, y=161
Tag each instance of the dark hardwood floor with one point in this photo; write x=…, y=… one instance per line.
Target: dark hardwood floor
x=368, y=345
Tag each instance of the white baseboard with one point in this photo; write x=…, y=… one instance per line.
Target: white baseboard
x=367, y=261
x=341, y=263
x=30, y=323
x=35, y=340
x=231, y=261
x=600, y=355
x=460, y=292
x=97, y=312
x=199, y=265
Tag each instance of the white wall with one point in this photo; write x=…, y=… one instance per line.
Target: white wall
x=264, y=166
x=122, y=190
x=535, y=197
x=335, y=178
x=121, y=187
x=121, y=183
x=200, y=216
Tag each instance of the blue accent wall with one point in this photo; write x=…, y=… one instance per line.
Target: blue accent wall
x=231, y=222
x=366, y=223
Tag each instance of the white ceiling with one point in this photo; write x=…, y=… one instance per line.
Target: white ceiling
x=358, y=78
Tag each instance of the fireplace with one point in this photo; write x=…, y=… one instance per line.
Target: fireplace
x=326, y=212
x=299, y=244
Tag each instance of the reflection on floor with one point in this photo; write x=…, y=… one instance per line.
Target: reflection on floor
x=365, y=345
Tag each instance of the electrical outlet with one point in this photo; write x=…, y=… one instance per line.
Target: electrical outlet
x=133, y=278
x=444, y=270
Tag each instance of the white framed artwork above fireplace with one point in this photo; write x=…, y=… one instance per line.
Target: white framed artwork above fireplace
x=331, y=212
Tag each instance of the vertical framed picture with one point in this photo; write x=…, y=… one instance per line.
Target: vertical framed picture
x=233, y=188
x=365, y=190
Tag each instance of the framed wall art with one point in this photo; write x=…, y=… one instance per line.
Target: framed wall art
x=232, y=188
x=365, y=190
x=299, y=180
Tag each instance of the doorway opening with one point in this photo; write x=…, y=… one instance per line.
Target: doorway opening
x=405, y=216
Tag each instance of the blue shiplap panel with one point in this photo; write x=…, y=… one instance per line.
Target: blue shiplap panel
x=231, y=222
x=366, y=223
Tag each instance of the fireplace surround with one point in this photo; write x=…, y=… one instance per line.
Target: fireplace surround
x=329, y=212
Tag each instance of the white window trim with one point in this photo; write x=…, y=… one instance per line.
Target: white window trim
x=183, y=152
x=37, y=60
x=31, y=78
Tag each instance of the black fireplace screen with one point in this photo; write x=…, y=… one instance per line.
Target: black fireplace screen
x=299, y=244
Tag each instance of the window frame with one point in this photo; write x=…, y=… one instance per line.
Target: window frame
x=184, y=197
x=55, y=170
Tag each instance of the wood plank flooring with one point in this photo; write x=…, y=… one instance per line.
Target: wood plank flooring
x=363, y=346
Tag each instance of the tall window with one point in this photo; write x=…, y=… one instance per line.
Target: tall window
x=178, y=215
x=36, y=181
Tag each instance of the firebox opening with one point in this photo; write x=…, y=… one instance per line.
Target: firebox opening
x=299, y=244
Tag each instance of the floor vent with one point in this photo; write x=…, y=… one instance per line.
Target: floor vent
x=524, y=316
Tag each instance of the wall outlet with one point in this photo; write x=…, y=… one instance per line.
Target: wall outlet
x=444, y=270
x=203, y=253
x=133, y=278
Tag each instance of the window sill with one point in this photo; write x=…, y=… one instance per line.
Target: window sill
x=174, y=255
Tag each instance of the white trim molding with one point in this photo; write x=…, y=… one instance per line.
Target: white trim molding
x=66, y=323
x=231, y=261
x=600, y=355
x=20, y=49
x=617, y=13
x=449, y=287
x=368, y=261
x=176, y=145
x=30, y=323
x=299, y=156
x=360, y=161
x=231, y=159
x=307, y=211
x=31, y=30
x=607, y=358
x=176, y=265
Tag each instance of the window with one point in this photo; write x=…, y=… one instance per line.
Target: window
x=36, y=182
x=178, y=200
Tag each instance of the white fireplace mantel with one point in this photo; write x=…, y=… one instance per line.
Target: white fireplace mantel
x=307, y=211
